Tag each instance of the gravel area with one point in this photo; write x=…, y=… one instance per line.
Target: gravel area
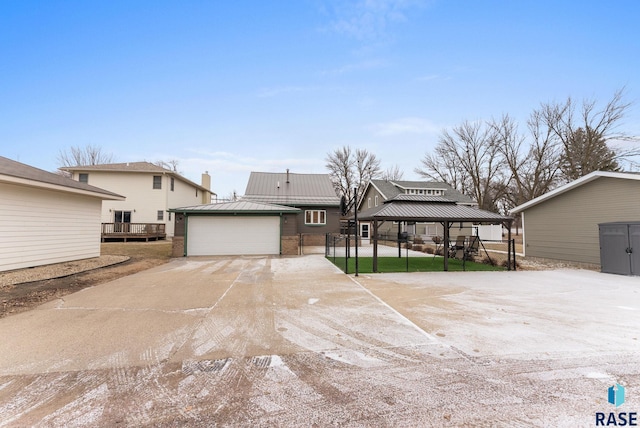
x=57, y=270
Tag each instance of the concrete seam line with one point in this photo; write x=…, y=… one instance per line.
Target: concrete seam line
x=407, y=320
x=207, y=311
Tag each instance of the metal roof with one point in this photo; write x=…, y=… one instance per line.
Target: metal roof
x=430, y=212
x=35, y=176
x=291, y=189
x=392, y=189
x=238, y=207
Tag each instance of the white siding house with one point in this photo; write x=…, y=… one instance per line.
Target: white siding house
x=46, y=218
x=150, y=191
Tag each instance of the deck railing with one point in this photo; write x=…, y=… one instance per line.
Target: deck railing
x=134, y=230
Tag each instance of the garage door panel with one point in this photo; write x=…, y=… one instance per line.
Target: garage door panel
x=233, y=235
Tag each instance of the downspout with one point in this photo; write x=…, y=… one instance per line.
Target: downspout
x=281, y=227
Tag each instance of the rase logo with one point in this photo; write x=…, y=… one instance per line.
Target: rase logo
x=615, y=396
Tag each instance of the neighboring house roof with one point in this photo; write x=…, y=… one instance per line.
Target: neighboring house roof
x=18, y=173
x=291, y=189
x=239, y=207
x=405, y=210
x=391, y=189
x=133, y=167
x=572, y=185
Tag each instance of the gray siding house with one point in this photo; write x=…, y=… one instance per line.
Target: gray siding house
x=563, y=224
x=312, y=194
x=378, y=192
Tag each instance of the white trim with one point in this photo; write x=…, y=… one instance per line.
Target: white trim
x=58, y=187
x=321, y=213
x=524, y=238
x=379, y=191
x=579, y=182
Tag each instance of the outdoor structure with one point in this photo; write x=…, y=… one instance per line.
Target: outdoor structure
x=47, y=218
x=427, y=209
x=378, y=192
x=563, y=224
x=312, y=194
x=234, y=228
x=150, y=191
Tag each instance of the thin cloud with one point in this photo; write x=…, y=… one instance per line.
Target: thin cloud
x=229, y=162
x=428, y=78
x=350, y=68
x=369, y=19
x=279, y=90
x=406, y=125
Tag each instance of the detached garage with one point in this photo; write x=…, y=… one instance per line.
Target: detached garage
x=46, y=218
x=233, y=228
x=563, y=224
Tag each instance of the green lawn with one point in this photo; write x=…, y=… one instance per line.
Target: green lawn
x=416, y=264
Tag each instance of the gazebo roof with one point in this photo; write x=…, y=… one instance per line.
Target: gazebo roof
x=429, y=211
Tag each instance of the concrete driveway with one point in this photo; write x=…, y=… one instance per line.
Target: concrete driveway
x=294, y=342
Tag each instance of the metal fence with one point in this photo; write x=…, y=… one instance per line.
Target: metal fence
x=415, y=254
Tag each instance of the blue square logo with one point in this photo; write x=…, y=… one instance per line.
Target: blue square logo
x=616, y=395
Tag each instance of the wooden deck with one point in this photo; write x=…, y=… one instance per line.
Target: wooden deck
x=133, y=231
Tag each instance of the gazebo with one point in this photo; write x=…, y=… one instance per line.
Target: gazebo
x=419, y=208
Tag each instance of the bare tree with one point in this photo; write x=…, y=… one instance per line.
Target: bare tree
x=586, y=133
x=533, y=166
x=83, y=156
x=468, y=159
x=350, y=169
x=392, y=173
x=171, y=164
x=231, y=197
x=442, y=165
x=502, y=168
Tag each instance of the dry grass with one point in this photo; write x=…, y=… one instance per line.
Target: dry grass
x=138, y=250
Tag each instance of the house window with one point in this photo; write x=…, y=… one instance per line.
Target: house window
x=173, y=182
x=83, y=178
x=315, y=217
x=160, y=215
x=157, y=182
x=376, y=200
x=369, y=203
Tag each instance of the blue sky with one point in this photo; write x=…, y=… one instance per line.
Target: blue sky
x=237, y=86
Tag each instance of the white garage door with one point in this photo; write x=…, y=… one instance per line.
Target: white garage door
x=237, y=235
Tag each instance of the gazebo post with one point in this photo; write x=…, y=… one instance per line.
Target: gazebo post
x=445, y=248
x=509, y=248
x=375, y=246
